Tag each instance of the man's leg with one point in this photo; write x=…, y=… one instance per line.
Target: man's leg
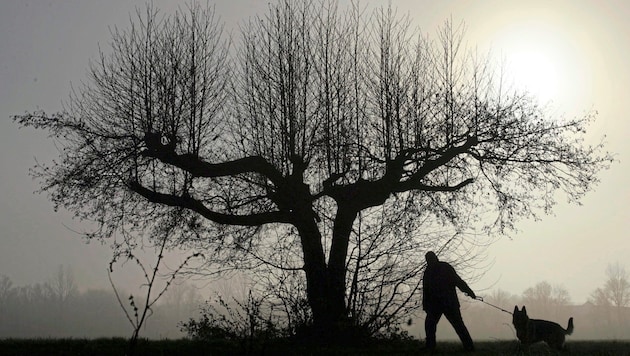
x=455, y=318
x=430, y=327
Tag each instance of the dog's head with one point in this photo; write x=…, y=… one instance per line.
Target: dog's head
x=520, y=318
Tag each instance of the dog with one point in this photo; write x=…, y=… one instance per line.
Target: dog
x=530, y=331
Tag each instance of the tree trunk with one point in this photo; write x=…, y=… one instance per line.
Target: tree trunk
x=316, y=273
x=326, y=283
x=337, y=261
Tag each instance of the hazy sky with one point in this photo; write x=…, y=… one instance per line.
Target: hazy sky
x=573, y=52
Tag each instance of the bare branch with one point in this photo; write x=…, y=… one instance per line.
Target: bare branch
x=197, y=206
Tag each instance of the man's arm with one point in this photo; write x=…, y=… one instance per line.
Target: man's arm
x=463, y=286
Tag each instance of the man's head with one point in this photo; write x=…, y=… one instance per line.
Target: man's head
x=431, y=257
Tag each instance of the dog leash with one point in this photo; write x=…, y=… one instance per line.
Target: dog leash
x=492, y=305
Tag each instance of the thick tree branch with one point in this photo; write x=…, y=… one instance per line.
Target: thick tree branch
x=200, y=168
x=363, y=194
x=200, y=208
x=444, y=158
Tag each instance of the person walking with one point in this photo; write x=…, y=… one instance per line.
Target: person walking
x=440, y=298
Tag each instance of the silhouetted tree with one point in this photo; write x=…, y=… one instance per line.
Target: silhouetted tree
x=618, y=285
x=6, y=292
x=502, y=298
x=6, y=288
x=181, y=297
x=543, y=298
x=544, y=294
x=319, y=117
x=61, y=285
x=612, y=299
x=599, y=297
x=616, y=290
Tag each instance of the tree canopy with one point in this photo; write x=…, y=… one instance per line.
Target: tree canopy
x=322, y=136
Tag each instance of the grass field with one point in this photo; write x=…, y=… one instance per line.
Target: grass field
x=189, y=347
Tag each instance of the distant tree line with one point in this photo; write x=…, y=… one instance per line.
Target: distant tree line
x=58, y=308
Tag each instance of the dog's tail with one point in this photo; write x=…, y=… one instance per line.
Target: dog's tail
x=570, y=327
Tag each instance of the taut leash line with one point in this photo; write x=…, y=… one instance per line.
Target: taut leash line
x=492, y=305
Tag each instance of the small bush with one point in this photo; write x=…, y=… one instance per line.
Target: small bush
x=247, y=323
x=257, y=322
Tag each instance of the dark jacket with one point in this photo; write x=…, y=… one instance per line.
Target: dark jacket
x=438, y=287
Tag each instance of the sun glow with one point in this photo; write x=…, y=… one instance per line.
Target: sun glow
x=536, y=72
x=542, y=59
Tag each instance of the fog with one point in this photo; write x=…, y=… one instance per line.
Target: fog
x=45, y=47
x=52, y=310
x=62, y=309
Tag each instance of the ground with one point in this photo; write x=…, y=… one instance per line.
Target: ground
x=380, y=347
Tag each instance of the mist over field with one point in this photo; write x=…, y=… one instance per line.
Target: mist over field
x=44, y=311
x=66, y=310
x=591, y=322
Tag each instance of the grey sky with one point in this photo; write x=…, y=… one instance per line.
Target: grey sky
x=46, y=45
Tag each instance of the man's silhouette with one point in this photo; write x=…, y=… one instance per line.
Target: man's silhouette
x=439, y=297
